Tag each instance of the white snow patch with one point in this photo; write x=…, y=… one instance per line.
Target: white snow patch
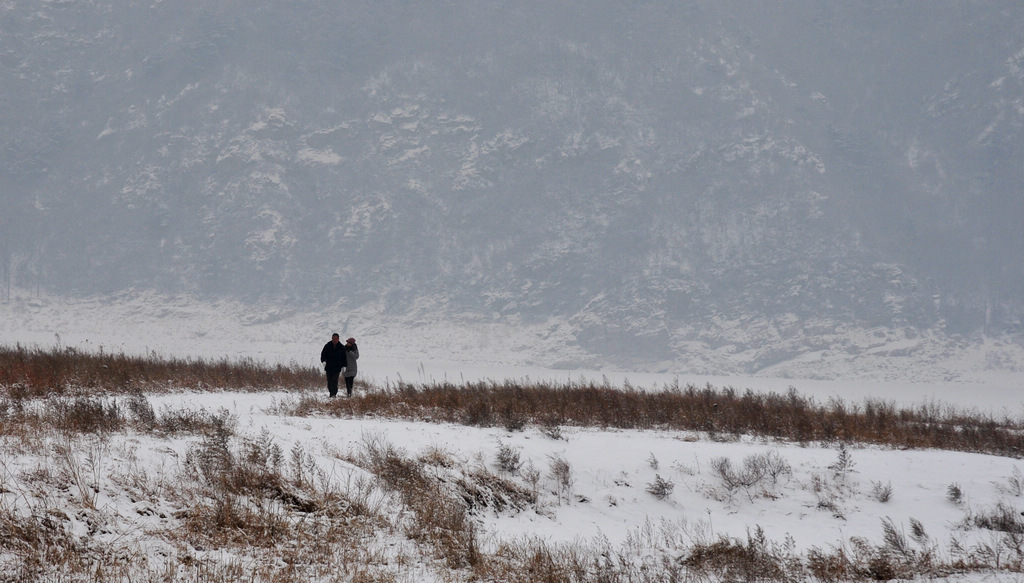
x=326, y=156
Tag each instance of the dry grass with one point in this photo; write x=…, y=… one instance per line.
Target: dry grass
x=240, y=508
x=39, y=542
x=37, y=372
x=268, y=516
x=707, y=409
x=439, y=519
x=28, y=373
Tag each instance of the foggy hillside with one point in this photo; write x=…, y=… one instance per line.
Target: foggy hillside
x=659, y=174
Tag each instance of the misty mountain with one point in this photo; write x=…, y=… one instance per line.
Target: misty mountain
x=653, y=173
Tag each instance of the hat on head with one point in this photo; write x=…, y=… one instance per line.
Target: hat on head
x=351, y=341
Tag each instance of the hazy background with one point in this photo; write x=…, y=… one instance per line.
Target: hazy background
x=656, y=179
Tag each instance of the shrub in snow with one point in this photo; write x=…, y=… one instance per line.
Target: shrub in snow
x=1003, y=517
x=652, y=461
x=532, y=475
x=881, y=492
x=660, y=487
x=844, y=464
x=560, y=472
x=508, y=459
x=954, y=494
x=552, y=430
x=1014, y=484
x=756, y=472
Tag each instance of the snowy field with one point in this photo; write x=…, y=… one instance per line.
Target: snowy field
x=818, y=497
x=612, y=470
x=816, y=503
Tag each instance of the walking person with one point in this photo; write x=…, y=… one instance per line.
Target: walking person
x=352, y=355
x=333, y=356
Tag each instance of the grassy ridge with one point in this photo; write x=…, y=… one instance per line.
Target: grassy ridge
x=36, y=372
x=29, y=373
x=707, y=409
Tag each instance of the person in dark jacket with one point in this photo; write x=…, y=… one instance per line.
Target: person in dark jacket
x=334, y=358
x=350, y=367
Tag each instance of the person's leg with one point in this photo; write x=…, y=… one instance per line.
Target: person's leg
x=349, y=381
x=332, y=383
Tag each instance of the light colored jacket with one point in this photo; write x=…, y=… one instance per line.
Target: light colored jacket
x=351, y=358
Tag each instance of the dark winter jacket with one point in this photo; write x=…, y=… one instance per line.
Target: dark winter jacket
x=333, y=357
x=353, y=356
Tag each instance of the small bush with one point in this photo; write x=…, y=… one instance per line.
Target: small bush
x=775, y=466
x=660, y=488
x=551, y=429
x=194, y=421
x=881, y=492
x=1014, y=485
x=827, y=494
x=88, y=415
x=755, y=473
x=513, y=419
x=831, y=567
x=140, y=408
x=954, y=494
x=532, y=475
x=733, y=560
x=1003, y=517
x=437, y=456
x=560, y=472
x=653, y=461
x=844, y=463
x=508, y=459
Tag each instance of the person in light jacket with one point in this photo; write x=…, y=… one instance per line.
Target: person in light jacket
x=351, y=356
x=334, y=358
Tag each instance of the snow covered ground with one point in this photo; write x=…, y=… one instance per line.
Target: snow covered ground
x=816, y=503
x=817, y=498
